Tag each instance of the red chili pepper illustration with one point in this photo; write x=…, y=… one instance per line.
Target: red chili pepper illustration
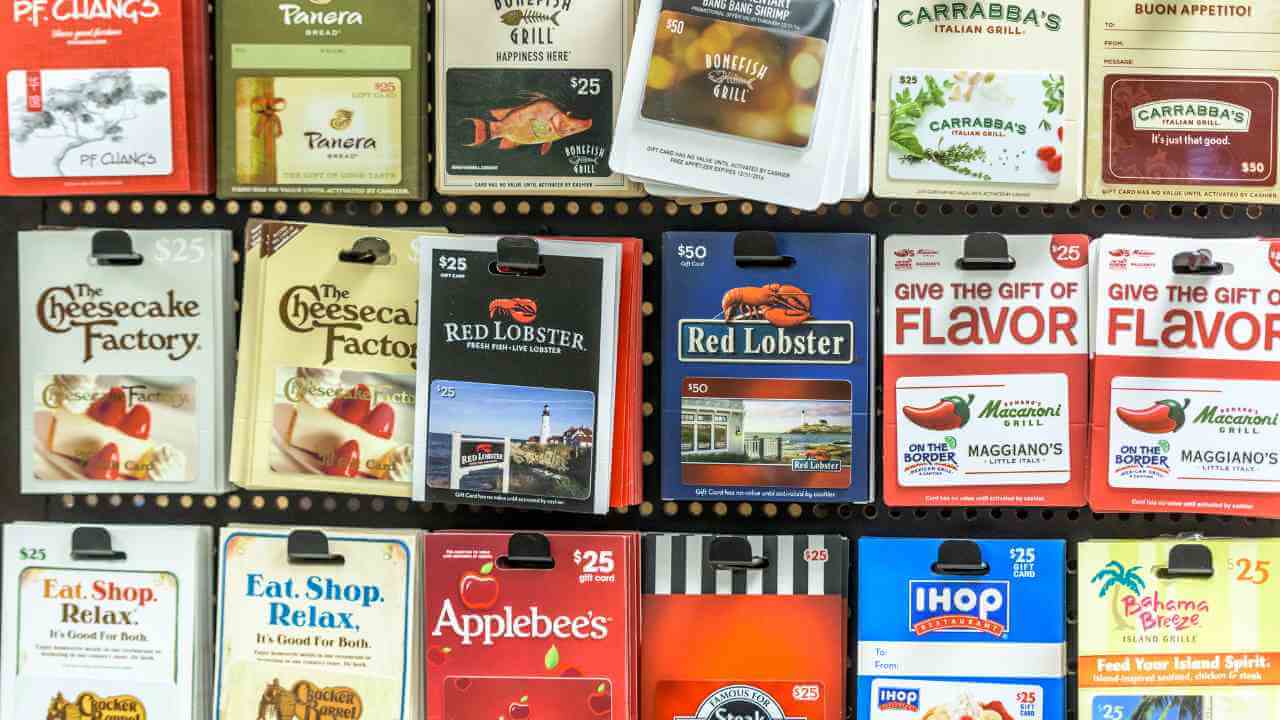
x=949, y=413
x=1165, y=416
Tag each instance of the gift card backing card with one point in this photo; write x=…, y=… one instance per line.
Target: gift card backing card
x=749, y=70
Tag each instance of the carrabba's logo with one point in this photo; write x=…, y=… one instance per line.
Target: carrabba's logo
x=1192, y=114
x=1022, y=15
x=770, y=323
x=980, y=606
x=64, y=308
x=895, y=698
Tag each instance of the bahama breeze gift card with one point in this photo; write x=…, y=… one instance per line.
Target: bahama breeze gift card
x=768, y=370
x=516, y=375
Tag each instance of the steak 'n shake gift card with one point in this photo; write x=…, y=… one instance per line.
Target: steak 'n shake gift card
x=1186, y=408
x=997, y=113
x=321, y=98
x=532, y=625
x=319, y=623
x=962, y=629
x=106, y=622
x=1182, y=101
x=1175, y=628
x=986, y=369
x=769, y=367
x=526, y=95
x=517, y=357
x=127, y=360
x=325, y=396
x=739, y=626
x=104, y=98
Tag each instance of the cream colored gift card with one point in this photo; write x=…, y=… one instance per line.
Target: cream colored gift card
x=1182, y=101
x=980, y=100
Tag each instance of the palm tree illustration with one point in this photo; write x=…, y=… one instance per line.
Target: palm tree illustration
x=1170, y=707
x=1113, y=577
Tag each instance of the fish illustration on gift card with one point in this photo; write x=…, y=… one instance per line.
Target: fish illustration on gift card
x=515, y=18
x=537, y=122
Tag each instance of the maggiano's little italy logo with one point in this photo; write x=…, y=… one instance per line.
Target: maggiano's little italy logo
x=1189, y=114
x=342, y=320
x=532, y=22
x=89, y=706
x=947, y=17
x=733, y=77
x=739, y=702
x=86, y=307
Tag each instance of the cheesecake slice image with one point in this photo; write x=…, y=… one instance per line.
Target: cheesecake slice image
x=323, y=432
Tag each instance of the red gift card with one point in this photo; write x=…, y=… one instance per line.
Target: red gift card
x=511, y=637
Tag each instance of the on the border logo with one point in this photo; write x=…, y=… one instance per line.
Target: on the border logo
x=739, y=701
x=980, y=606
x=895, y=698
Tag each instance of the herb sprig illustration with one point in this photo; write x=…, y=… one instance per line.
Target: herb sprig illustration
x=905, y=112
x=1054, y=98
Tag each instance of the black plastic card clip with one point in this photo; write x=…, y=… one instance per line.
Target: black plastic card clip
x=733, y=552
x=93, y=543
x=367, y=251
x=986, y=251
x=311, y=547
x=1188, y=561
x=518, y=255
x=528, y=551
x=1196, y=262
x=960, y=557
x=758, y=248
x=114, y=248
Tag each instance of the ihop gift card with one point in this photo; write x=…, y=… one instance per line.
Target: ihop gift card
x=961, y=628
x=769, y=367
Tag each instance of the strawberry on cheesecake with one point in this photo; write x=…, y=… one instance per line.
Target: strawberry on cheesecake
x=109, y=439
x=351, y=436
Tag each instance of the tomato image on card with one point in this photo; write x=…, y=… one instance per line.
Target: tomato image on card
x=527, y=698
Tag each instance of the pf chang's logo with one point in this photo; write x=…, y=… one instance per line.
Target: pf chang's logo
x=960, y=606
x=1183, y=114
x=733, y=77
x=741, y=702
x=892, y=698
x=770, y=323
x=308, y=700
x=40, y=11
x=89, y=706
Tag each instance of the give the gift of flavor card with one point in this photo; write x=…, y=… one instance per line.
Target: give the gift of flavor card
x=963, y=629
x=104, y=98
x=768, y=382
x=318, y=623
x=981, y=100
x=526, y=95
x=744, y=626
x=1178, y=628
x=517, y=368
x=127, y=360
x=328, y=336
x=1186, y=359
x=106, y=622
x=321, y=98
x=986, y=369
x=532, y=625
x=1182, y=101
x=748, y=99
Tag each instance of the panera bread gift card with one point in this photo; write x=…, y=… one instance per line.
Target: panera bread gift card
x=127, y=360
x=985, y=100
x=1182, y=101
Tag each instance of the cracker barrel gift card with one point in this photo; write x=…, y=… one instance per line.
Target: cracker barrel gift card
x=1185, y=408
x=531, y=625
x=1178, y=629
x=767, y=383
x=1002, y=421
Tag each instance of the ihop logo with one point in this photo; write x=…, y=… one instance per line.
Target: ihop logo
x=960, y=606
x=892, y=698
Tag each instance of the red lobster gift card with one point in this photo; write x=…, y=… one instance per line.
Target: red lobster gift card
x=1186, y=376
x=986, y=369
x=532, y=626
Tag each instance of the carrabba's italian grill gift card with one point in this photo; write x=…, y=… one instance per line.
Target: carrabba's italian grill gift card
x=739, y=626
x=768, y=373
x=532, y=625
x=986, y=369
x=1186, y=415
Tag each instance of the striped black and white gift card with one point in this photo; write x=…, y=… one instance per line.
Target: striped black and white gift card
x=797, y=565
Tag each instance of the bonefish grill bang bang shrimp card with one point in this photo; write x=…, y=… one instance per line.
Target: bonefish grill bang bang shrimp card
x=985, y=369
x=1186, y=415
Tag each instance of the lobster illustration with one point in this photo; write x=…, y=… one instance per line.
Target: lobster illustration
x=484, y=448
x=303, y=702
x=780, y=305
x=521, y=310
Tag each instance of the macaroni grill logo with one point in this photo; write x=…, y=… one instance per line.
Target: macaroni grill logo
x=739, y=702
x=733, y=77
x=308, y=701
x=770, y=323
x=980, y=606
x=89, y=706
x=1022, y=16
x=1188, y=114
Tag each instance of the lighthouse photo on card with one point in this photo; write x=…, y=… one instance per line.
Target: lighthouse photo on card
x=510, y=439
